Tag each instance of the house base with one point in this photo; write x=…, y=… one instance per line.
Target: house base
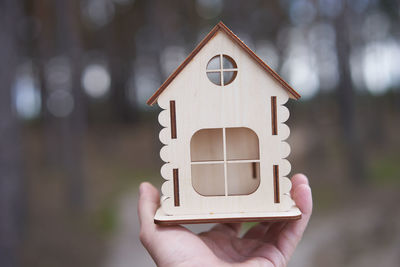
x=163, y=219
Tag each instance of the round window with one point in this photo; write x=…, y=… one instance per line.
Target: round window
x=221, y=70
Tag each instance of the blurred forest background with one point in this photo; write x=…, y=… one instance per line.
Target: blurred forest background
x=76, y=137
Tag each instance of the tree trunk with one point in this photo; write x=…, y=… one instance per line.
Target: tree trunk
x=346, y=99
x=11, y=182
x=72, y=127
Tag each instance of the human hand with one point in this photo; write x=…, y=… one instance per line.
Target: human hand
x=265, y=244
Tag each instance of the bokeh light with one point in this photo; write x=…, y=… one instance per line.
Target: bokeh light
x=26, y=93
x=322, y=41
x=300, y=65
x=360, y=6
x=268, y=53
x=98, y=12
x=171, y=58
x=147, y=79
x=381, y=66
x=376, y=26
x=330, y=8
x=58, y=73
x=302, y=12
x=60, y=103
x=96, y=80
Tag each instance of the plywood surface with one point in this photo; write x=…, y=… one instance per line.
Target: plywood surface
x=228, y=186
x=162, y=219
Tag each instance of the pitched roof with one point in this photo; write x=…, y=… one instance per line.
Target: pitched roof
x=221, y=27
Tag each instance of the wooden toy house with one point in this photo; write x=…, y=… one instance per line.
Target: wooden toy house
x=224, y=125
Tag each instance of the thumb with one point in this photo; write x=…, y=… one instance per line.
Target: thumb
x=149, y=200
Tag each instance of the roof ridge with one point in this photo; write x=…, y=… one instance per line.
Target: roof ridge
x=221, y=26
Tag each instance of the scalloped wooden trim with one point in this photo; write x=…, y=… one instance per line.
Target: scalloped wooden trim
x=201, y=107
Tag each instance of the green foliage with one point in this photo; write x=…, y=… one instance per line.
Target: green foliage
x=247, y=225
x=125, y=180
x=106, y=219
x=385, y=170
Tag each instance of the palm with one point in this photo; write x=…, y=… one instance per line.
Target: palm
x=266, y=244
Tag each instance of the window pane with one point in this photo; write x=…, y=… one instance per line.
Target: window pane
x=241, y=143
x=243, y=178
x=228, y=62
x=214, y=77
x=209, y=179
x=214, y=63
x=207, y=145
x=229, y=76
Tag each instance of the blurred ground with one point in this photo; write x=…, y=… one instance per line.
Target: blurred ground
x=352, y=225
x=358, y=234
x=117, y=161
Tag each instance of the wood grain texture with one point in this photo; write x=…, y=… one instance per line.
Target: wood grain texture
x=229, y=220
x=276, y=184
x=218, y=159
x=274, y=125
x=221, y=27
x=241, y=106
x=162, y=219
x=173, y=118
x=176, y=187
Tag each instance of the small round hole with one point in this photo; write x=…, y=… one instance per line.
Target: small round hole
x=228, y=70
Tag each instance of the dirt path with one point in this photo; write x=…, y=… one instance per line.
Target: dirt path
x=125, y=249
x=364, y=234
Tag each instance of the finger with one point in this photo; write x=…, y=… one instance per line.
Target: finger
x=257, y=231
x=149, y=200
x=228, y=228
x=297, y=180
x=271, y=236
x=293, y=231
x=260, y=231
x=270, y=253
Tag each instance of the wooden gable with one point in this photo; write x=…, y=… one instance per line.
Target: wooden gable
x=220, y=27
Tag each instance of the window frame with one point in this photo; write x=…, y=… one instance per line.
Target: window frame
x=221, y=70
x=225, y=162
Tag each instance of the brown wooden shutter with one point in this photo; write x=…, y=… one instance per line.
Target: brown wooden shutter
x=276, y=184
x=176, y=187
x=173, y=118
x=274, y=116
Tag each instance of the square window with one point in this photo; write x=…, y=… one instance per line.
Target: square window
x=241, y=144
x=237, y=165
x=243, y=178
x=209, y=179
x=207, y=145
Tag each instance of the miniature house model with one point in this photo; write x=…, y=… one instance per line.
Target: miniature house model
x=224, y=125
